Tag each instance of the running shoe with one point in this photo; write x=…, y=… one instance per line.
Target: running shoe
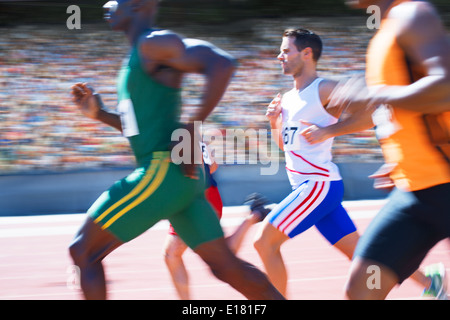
x=438, y=287
x=257, y=203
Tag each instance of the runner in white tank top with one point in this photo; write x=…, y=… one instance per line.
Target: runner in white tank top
x=317, y=185
x=306, y=161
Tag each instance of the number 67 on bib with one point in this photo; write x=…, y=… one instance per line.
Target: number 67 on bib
x=291, y=135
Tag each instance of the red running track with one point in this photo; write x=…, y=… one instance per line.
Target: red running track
x=34, y=262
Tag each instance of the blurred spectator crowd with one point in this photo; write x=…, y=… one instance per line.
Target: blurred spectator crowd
x=41, y=129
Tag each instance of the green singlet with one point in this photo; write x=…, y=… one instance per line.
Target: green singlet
x=157, y=189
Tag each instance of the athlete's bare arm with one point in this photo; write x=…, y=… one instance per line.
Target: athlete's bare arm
x=356, y=118
x=326, y=89
x=358, y=121
x=423, y=37
x=189, y=56
x=180, y=56
x=91, y=105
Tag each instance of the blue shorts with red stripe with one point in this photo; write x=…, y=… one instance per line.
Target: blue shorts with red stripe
x=314, y=203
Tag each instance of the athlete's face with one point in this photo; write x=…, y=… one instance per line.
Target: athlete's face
x=290, y=58
x=118, y=14
x=121, y=14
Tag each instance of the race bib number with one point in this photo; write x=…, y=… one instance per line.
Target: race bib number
x=291, y=135
x=128, y=118
x=205, y=152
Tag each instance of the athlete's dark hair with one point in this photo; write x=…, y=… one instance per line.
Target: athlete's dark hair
x=306, y=39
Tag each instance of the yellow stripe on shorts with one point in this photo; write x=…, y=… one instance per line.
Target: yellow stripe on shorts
x=136, y=190
x=159, y=178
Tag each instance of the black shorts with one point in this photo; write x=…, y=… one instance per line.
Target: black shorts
x=407, y=228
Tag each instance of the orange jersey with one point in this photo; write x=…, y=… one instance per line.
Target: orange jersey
x=403, y=135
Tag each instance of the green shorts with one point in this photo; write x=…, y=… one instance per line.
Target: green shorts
x=153, y=193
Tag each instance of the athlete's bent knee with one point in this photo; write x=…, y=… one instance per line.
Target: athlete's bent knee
x=265, y=247
x=77, y=252
x=260, y=245
x=218, y=272
x=355, y=288
x=369, y=280
x=172, y=257
x=358, y=290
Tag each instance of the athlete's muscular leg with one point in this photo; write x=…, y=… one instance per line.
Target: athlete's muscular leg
x=173, y=256
x=268, y=243
x=241, y=275
x=348, y=244
x=88, y=248
x=357, y=287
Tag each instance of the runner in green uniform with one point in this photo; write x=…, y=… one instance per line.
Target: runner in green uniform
x=148, y=112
